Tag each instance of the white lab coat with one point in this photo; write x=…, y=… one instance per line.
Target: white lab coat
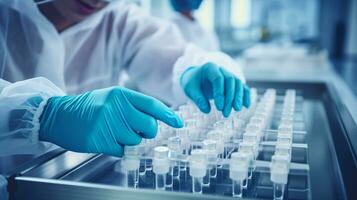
x=193, y=32
x=37, y=62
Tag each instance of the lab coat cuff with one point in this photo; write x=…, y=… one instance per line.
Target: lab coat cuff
x=34, y=138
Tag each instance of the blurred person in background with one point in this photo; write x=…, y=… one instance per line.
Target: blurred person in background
x=190, y=28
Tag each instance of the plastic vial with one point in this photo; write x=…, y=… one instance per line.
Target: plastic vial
x=286, y=139
x=279, y=170
x=216, y=136
x=131, y=164
x=143, y=149
x=254, y=128
x=257, y=120
x=283, y=150
x=185, y=147
x=198, y=169
x=286, y=120
x=286, y=128
x=238, y=172
x=185, y=139
x=251, y=150
x=210, y=146
x=251, y=137
x=174, y=145
x=142, y=168
x=161, y=165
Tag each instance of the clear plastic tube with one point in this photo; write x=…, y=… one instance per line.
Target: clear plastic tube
x=279, y=170
x=132, y=178
x=245, y=183
x=220, y=160
x=237, y=188
x=279, y=191
x=206, y=179
x=148, y=165
x=197, y=185
x=175, y=150
x=161, y=167
x=198, y=169
x=142, y=168
x=131, y=165
x=176, y=171
x=238, y=172
x=213, y=171
x=169, y=178
x=160, y=181
x=183, y=166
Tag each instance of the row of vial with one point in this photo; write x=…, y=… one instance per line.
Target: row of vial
x=172, y=150
x=280, y=162
x=242, y=163
x=172, y=156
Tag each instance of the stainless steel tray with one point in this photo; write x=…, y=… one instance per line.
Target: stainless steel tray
x=332, y=142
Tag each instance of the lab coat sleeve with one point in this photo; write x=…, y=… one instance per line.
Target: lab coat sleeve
x=155, y=55
x=21, y=105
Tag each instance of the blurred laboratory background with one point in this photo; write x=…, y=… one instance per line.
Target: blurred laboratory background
x=281, y=36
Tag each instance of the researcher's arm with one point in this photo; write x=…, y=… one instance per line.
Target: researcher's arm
x=21, y=104
x=162, y=64
x=99, y=121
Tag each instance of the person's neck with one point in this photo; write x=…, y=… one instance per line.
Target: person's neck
x=52, y=14
x=188, y=15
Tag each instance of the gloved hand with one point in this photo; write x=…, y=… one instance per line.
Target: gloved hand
x=212, y=82
x=103, y=121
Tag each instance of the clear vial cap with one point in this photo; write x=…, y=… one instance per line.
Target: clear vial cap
x=131, y=151
x=239, y=158
x=279, y=169
x=174, y=143
x=284, y=139
x=161, y=152
x=271, y=91
x=248, y=148
x=287, y=120
x=210, y=145
x=286, y=128
x=198, y=155
x=198, y=163
x=283, y=149
x=238, y=166
x=253, y=128
x=251, y=137
x=291, y=92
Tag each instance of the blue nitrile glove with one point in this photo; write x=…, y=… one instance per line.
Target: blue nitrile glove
x=103, y=121
x=212, y=82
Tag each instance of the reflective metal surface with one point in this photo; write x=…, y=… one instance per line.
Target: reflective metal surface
x=332, y=160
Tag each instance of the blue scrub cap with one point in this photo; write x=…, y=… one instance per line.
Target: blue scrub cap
x=185, y=5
